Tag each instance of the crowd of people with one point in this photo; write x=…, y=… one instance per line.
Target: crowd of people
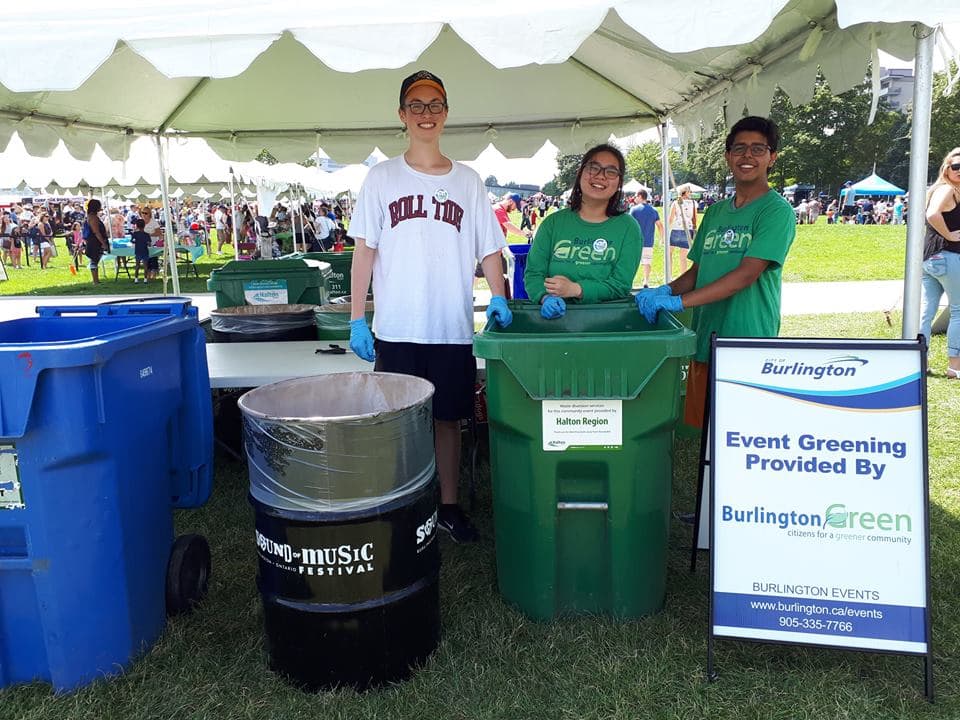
x=28, y=230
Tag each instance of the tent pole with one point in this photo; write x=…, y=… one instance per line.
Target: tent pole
x=106, y=211
x=233, y=215
x=919, y=152
x=303, y=229
x=169, y=250
x=665, y=199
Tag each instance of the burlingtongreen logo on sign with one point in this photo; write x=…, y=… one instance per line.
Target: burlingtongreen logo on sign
x=838, y=516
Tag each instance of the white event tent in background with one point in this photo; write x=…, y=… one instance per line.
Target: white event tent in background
x=295, y=77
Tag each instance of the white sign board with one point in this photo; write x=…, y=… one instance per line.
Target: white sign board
x=582, y=424
x=819, y=514
x=265, y=292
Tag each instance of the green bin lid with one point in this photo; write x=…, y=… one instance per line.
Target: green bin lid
x=597, y=351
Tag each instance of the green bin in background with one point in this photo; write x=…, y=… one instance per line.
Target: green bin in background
x=270, y=282
x=581, y=515
x=333, y=320
x=340, y=264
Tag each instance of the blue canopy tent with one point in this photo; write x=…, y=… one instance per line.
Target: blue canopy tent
x=871, y=185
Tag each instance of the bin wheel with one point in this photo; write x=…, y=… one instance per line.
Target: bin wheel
x=188, y=572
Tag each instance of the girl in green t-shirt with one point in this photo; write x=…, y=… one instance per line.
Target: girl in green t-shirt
x=590, y=251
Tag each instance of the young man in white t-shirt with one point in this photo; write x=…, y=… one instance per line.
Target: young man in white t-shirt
x=421, y=223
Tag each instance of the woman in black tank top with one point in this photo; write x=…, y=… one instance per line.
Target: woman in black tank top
x=941, y=271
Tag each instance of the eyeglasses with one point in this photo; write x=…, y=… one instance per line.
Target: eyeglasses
x=756, y=150
x=955, y=166
x=418, y=108
x=609, y=171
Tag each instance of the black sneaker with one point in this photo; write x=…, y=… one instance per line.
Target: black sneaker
x=453, y=520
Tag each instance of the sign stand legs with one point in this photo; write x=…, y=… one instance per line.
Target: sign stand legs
x=701, y=519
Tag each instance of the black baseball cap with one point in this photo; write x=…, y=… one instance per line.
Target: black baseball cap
x=421, y=77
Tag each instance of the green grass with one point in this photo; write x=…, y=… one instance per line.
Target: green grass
x=494, y=663
x=826, y=253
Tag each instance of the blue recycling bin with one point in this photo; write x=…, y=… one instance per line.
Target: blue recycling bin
x=96, y=425
x=519, y=265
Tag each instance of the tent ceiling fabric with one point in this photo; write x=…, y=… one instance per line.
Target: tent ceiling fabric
x=292, y=76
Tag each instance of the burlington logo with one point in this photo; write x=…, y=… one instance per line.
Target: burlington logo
x=842, y=366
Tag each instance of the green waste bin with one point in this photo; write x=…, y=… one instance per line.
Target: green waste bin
x=581, y=413
x=270, y=282
x=340, y=263
x=333, y=320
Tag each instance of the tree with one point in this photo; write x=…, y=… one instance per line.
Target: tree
x=944, y=121
x=567, y=166
x=827, y=141
x=491, y=181
x=705, y=159
x=643, y=163
x=265, y=157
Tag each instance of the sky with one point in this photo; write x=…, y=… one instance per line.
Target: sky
x=542, y=167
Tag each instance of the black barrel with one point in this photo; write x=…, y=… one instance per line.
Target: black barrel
x=350, y=598
x=344, y=490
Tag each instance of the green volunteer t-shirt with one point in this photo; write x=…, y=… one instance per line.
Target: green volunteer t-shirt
x=603, y=257
x=763, y=229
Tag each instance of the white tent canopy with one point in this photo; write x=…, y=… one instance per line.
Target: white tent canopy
x=293, y=76
x=634, y=186
x=296, y=78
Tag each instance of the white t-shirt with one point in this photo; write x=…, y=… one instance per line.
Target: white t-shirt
x=220, y=220
x=429, y=231
x=324, y=226
x=150, y=227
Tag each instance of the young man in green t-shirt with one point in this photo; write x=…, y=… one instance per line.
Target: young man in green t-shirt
x=734, y=282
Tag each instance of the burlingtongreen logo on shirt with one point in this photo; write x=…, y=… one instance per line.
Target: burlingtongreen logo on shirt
x=584, y=251
x=730, y=239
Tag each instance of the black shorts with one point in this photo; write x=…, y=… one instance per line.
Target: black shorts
x=451, y=368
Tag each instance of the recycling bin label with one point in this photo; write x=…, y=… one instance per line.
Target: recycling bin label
x=582, y=425
x=265, y=292
x=10, y=496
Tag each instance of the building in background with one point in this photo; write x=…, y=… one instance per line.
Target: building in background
x=896, y=85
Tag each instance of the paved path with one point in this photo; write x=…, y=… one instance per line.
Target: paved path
x=817, y=298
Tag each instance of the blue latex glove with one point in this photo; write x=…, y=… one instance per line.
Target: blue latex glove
x=651, y=292
x=361, y=340
x=553, y=307
x=498, y=310
x=652, y=304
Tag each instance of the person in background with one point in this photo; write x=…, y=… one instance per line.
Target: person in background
x=648, y=219
x=116, y=223
x=46, y=239
x=141, y=250
x=421, y=223
x=16, y=245
x=683, y=224
x=941, y=270
x=326, y=230
x=5, y=242
x=735, y=279
x=510, y=202
x=832, y=212
x=898, y=210
x=95, y=238
x=588, y=252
